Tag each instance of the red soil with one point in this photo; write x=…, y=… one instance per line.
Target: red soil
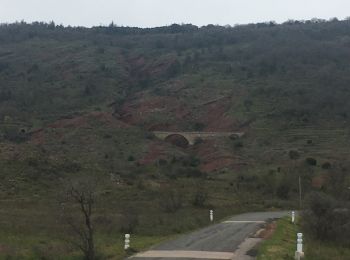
x=155, y=152
x=84, y=121
x=268, y=231
x=215, y=118
x=215, y=164
x=214, y=159
x=318, y=181
x=138, y=111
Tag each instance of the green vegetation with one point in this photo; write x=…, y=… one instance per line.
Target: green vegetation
x=316, y=250
x=80, y=102
x=282, y=244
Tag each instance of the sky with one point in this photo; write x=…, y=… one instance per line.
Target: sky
x=152, y=13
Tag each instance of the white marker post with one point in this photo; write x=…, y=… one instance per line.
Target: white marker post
x=211, y=215
x=127, y=241
x=299, y=253
x=293, y=216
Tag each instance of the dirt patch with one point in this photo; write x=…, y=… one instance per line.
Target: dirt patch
x=318, y=181
x=214, y=158
x=4, y=249
x=84, y=121
x=9, y=151
x=140, y=110
x=142, y=68
x=268, y=231
x=155, y=152
x=215, y=117
x=216, y=164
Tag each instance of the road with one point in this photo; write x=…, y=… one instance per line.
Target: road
x=230, y=239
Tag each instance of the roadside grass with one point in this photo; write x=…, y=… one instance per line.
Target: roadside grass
x=41, y=247
x=33, y=230
x=316, y=250
x=282, y=245
x=113, y=248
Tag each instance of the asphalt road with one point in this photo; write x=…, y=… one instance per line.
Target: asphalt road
x=230, y=239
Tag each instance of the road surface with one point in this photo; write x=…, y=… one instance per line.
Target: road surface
x=230, y=239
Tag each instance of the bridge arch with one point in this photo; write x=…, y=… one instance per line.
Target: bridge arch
x=178, y=140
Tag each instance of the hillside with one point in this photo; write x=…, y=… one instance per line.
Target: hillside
x=83, y=102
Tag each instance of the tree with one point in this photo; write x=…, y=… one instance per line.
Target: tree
x=77, y=210
x=294, y=155
x=327, y=219
x=171, y=201
x=311, y=161
x=200, y=197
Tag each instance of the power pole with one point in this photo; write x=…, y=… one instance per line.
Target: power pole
x=299, y=193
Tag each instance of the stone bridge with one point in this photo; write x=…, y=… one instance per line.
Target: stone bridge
x=191, y=137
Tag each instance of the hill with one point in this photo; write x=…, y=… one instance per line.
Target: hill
x=78, y=102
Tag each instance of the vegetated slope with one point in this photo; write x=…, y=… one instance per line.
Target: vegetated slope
x=286, y=86
x=78, y=103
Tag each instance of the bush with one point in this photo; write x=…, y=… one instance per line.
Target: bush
x=150, y=136
x=198, y=126
x=191, y=161
x=198, y=140
x=238, y=144
x=131, y=158
x=326, y=219
x=190, y=172
x=171, y=201
x=233, y=137
x=283, y=191
x=162, y=162
x=13, y=135
x=129, y=221
x=326, y=166
x=294, y=154
x=200, y=198
x=311, y=161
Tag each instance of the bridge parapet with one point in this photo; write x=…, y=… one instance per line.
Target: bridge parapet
x=192, y=136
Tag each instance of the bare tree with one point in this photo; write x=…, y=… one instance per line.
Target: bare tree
x=77, y=208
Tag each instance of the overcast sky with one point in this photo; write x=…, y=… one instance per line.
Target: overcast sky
x=151, y=13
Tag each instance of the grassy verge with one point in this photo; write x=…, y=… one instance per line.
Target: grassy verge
x=114, y=249
x=282, y=245
x=316, y=250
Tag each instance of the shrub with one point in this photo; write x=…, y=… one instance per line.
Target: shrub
x=326, y=219
x=131, y=158
x=198, y=140
x=247, y=104
x=311, y=161
x=129, y=221
x=238, y=144
x=283, y=191
x=171, y=201
x=162, y=162
x=198, y=126
x=191, y=161
x=326, y=165
x=293, y=154
x=150, y=135
x=234, y=137
x=13, y=135
x=200, y=198
x=191, y=172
